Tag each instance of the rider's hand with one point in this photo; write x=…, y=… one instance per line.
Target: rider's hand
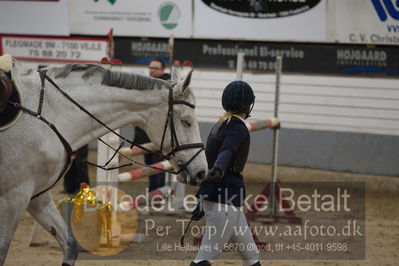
x=274, y=123
x=214, y=175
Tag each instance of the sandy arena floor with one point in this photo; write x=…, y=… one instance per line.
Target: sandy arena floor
x=381, y=222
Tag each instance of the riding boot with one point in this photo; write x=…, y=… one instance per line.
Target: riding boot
x=201, y=263
x=256, y=264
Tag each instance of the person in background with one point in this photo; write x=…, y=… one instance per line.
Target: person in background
x=156, y=70
x=78, y=173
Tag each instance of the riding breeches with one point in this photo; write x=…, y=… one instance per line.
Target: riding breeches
x=223, y=223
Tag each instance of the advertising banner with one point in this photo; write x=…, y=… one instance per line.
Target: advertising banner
x=331, y=59
x=62, y=49
x=38, y=17
x=141, y=51
x=156, y=18
x=303, y=20
x=298, y=57
x=368, y=22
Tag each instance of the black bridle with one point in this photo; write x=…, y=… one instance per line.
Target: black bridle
x=176, y=147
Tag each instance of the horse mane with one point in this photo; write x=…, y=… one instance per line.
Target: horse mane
x=112, y=78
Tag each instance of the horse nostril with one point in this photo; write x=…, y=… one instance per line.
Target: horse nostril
x=201, y=175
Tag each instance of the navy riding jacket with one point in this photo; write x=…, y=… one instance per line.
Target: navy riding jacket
x=227, y=149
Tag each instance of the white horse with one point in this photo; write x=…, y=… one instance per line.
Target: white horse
x=32, y=156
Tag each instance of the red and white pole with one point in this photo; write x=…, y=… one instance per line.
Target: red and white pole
x=143, y=172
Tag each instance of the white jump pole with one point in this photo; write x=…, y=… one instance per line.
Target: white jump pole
x=110, y=178
x=240, y=65
x=173, y=67
x=104, y=153
x=137, y=150
x=272, y=198
x=178, y=188
x=144, y=172
x=171, y=47
x=173, y=75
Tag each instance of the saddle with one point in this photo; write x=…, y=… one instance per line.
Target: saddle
x=8, y=92
x=6, y=89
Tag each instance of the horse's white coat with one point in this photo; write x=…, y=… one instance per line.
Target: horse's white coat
x=32, y=156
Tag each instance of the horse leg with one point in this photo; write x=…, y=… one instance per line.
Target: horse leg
x=12, y=207
x=43, y=209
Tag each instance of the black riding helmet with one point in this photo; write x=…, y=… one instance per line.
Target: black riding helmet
x=238, y=97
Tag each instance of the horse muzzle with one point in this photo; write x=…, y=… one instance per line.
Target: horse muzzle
x=186, y=178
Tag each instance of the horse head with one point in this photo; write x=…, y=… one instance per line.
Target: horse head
x=177, y=133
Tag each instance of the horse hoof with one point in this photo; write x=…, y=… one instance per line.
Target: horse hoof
x=66, y=264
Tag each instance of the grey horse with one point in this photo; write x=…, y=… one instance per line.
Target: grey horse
x=32, y=155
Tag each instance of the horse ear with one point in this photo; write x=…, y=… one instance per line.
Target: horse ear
x=187, y=80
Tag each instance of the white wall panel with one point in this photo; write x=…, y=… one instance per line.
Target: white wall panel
x=155, y=18
x=360, y=21
x=363, y=105
x=34, y=17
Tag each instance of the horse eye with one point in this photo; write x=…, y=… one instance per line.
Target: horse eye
x=187, y=124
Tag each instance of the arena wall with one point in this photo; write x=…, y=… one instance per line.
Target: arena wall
x=332, y=123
